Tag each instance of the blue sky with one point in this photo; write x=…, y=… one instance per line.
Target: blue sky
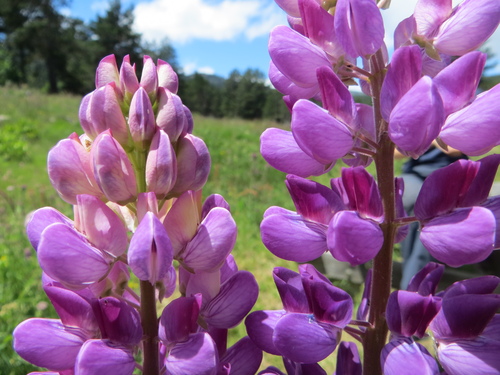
x=218, y=36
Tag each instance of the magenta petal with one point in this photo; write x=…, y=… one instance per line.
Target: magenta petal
x=291, y=290
x=141, y=120
x=318, y=27
x=149, y=76
x=430, y=14
x=244, y=357
x=300, y=338
x=179, y=319
x=465, y=236
x=464, y=316
x=73, y=309
x=171, y=117
x=336, y=97
x=235, y=299
x=128, y=78
x=107, y=72
x=477, y=356
x=279, y=148
x=469, y=26
x=150, y=253
x=260, y=328
x=353, y=239
x=70, y=171
x=291, y=237
x=444, y=189
x=329, y=304
x=409, y=314
x=312, y=200
x=103, y=357
x=41, y=219
x=102, y=227
x=118, y=321
x=212, y=201
x=359, y=27
x=161, y=171
x=48, y=343
x=105, y=113
x=213, y=241
x=318, y=134
x=65, y=256
x=457, y=93
x=461, y=130
x=197, y=356
x=193, y=164
x=417, y=118
x=404, y=356
x=362, y=193
x=426, y=281
x=284, y=85
x=348, y=361
x=295, y=56
x=167, y=77
x=113, y=170
x=405, y=70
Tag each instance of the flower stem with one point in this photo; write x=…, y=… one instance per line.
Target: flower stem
x=149, y=322
x=375, y=338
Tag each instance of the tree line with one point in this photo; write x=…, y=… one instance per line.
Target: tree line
x=43, y=48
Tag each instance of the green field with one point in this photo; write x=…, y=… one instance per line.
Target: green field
x=32, y=122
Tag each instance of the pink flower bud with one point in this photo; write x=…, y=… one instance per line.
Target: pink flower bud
x=112, y=169
x=149, y=77
x=70, y=170
x=141, y=119
x=161, y=166
x=105, y=113
x=167, y=77
x=193, y=164
x=107, y=72
x=102, y=227
x=128, y=78
x=171, y=116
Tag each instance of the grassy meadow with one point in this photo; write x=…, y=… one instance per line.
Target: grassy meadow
x=32, y=122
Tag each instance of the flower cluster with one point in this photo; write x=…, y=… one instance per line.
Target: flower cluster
x=134, y=179
x=425, y=94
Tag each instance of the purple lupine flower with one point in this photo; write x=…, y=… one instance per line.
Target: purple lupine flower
x=417, y=118
x=458, y=225
x=70, y=170
x=348, y=362
x=107, y=72
x=141, y=120
x=150, y=253
x=405, y=356
x=359, y=27
x=128, y=79
x=308, y=329
x=171, y=116
x=459, y=130
x=161, y=165
x=199, y=243
x=243, y=358
x=113, y=170
x=296, y=57
x=467, y=327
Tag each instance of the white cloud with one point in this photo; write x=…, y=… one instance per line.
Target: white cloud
x=65, y=11
x=182, y=21
x=99, y=7
x=192, y=67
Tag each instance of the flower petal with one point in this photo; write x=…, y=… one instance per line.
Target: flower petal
x=300, y=338
x=103, y=357
x=291, y=237
x=318, y=134
x=465, y=236
x=353, y=239
x=280, y=149
x=197, y=356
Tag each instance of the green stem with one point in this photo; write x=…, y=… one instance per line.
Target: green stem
x=375, y=337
